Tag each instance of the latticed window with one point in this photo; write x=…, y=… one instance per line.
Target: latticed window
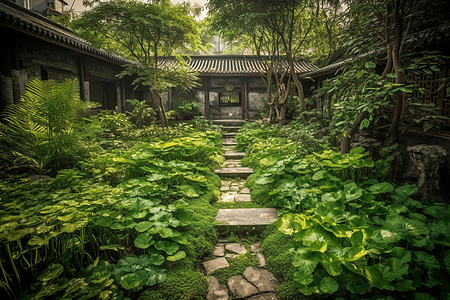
x=230, y=99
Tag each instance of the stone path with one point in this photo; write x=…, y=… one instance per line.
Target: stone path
x=255, y=283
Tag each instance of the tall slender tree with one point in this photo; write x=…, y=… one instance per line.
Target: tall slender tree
x=275, y=28
x=146, y=31
x=383, y=26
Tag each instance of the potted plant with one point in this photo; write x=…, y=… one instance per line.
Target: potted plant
x=188, y=111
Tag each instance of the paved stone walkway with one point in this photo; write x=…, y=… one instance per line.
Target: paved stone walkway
x=255, y=283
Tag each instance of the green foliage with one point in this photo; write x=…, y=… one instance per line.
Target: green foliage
x=358, y=88
x=114, y=122
x=124, y=200
x=125, y=26
x=189, y=110
x=346, y=230
x=339, y=226
x=95, y=281
x=204, y=124
x=180, y=284
x=134, y=272
x=276, y=252
x=126, y=23
x=142, y=114
x=40, y=130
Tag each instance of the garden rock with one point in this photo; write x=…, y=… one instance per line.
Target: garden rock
x=216, y=291
x=262, y=260
x=256, y=247
x=219, y=250
x=241, y=288
x=245, y=191
x=243, y=198
x=263, y=279
x=228, y=197
x=427, y=160
x=229, y=255
x=212, y=265
x=236, y=248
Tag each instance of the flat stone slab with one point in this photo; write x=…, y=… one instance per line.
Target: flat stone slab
x=256, y=247
x=216, y=291
x=229, y=143
x=232, y=161
x=228, y=197
x=231, y=128
x=234, y=172
x=265, y=296
x=229, y=134
x=212, y=265
x=243, y=198
x=263, y=279
x=262, y=260
x=247, y=216
x=236, y=248
x=245, y=191
x=230, y=255
x=219, y=249
x=233, y=155
x=241, y=288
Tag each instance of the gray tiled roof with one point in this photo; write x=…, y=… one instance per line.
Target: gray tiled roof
x=22, y=19
x=235, y=64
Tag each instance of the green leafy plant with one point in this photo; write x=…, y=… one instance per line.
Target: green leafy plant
x=135, y=272
x=39, y=131
x=189, y=110
x=142, y=114
x=95, y=281
x=116, y=123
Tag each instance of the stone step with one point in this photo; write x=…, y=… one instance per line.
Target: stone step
x=233, y=155
x=229, y=142
x=244, y=220
x=231, y=128
x=229, y=134
x=234, y=172
x=229, y=122
x=232, y=163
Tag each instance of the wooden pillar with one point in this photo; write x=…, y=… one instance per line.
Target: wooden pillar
x=6, y=83
x=243, y=100
x=118, y=96
x=207, y=107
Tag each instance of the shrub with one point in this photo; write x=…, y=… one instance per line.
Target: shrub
x=142, y=114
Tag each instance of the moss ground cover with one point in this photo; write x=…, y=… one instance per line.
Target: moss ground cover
x=345, y=230
x=134, y=215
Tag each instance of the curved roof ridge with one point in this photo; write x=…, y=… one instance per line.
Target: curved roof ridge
x=20, y=17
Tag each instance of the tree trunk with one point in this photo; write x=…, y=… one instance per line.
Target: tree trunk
x=156, y=96
x=345, y=142
x=393, y=130
x=282, y=119
x=350, y=131
x=300, y=92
